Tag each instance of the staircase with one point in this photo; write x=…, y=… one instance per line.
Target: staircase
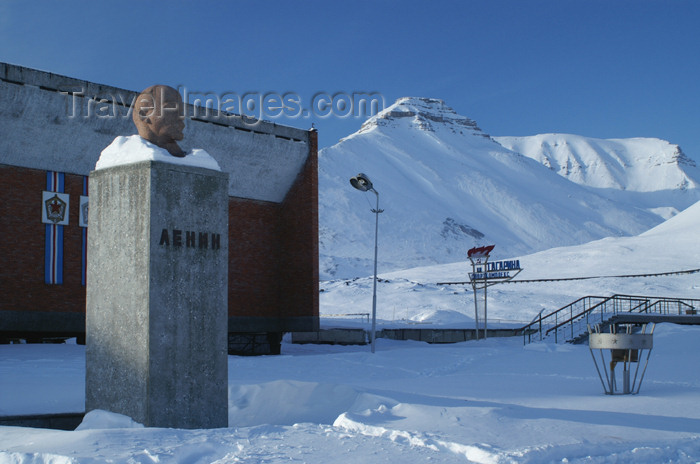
x=570, y=323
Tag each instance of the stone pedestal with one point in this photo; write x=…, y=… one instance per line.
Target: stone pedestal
x=157, y=314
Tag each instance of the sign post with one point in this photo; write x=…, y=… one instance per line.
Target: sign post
x=485, y=274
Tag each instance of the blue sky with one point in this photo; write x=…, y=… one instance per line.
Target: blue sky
x=607, y=69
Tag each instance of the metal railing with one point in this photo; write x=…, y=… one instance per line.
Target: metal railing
x=345, y=315
x=572, y=321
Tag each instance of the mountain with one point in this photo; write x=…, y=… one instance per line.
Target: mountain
x=445, y=186
x=649, y=172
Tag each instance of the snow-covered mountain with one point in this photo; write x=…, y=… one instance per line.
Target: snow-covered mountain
x=446, y=186
x=648, y=172
x=637, y=164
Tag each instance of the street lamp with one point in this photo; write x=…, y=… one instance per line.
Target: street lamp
x=362, y=183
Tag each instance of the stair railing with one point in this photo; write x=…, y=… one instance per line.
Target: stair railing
x=572, y=320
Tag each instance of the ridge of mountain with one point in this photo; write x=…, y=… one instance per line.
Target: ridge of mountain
x=636, y=164
x=649, y=172
x=423, y=114
x=445, y=186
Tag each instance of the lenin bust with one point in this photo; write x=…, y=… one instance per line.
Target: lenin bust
x=159, y=118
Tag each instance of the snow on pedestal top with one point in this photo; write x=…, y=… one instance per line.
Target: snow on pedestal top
x=133, y=149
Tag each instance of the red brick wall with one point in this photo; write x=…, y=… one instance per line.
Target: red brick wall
x=273, y=249
x=253, y=251
x=22, y=284
x=299, y=242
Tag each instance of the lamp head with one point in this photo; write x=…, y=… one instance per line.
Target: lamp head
x=361, y=182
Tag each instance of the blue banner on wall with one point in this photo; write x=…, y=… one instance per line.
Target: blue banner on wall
x=84, y=231
x=53, y=268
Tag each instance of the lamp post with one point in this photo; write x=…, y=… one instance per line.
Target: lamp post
x=362, y=183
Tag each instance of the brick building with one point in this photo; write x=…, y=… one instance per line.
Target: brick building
x=52, y=130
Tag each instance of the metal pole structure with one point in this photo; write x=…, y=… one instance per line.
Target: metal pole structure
x=374, y=286
x=486, y=286
x=476, y=311
x=362, y=183
x=476, y=301
x=486, y=318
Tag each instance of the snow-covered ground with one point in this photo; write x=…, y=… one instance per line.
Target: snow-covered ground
x=413, y=295
x=488, y=401
x=491, y=401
